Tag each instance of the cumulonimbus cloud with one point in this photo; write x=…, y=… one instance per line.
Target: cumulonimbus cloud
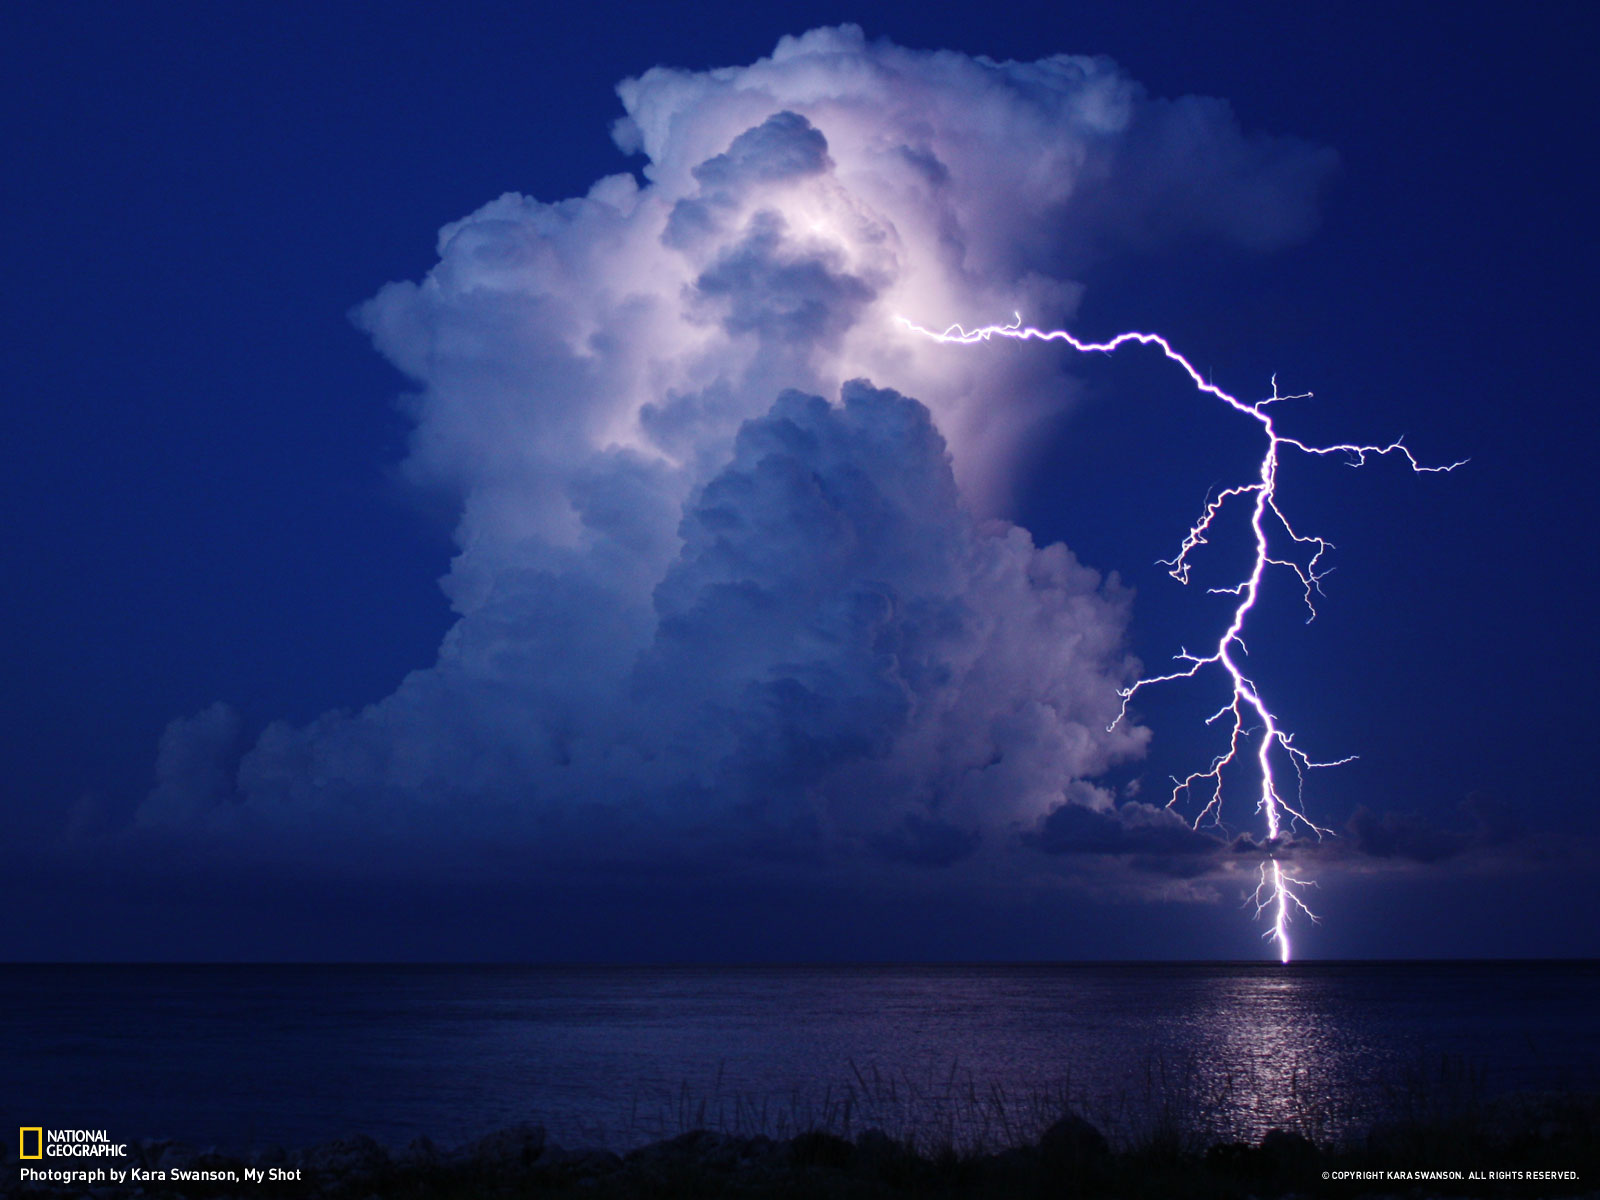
x=732, y=562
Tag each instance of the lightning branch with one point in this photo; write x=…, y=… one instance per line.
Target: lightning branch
x=1245, y=715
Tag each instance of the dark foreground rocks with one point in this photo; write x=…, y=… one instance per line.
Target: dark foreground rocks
x=1532, y=1147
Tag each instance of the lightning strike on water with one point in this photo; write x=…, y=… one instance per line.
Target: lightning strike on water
x=1277, y=890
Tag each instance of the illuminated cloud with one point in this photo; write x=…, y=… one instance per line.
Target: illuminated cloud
x=717, y=587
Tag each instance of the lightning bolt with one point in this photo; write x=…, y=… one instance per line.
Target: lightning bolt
x=1277, y=891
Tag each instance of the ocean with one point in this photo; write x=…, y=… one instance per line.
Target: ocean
x=245, y=1056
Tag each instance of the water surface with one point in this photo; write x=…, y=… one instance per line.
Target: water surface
x=242, y=1056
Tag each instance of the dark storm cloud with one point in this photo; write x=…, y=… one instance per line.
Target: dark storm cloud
x=1405, y=835
x=1155, y=840
x=1159, y=842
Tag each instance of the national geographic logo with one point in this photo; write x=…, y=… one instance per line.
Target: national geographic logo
x=39, y=1143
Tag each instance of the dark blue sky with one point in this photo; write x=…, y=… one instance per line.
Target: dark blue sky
x=202, y=503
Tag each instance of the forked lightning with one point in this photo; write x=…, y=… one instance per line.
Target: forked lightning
x=1277, y=890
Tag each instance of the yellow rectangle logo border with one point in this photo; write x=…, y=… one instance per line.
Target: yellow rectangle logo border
x=22, y=1141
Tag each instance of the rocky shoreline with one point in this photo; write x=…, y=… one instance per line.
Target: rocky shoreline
x=1524, y=1146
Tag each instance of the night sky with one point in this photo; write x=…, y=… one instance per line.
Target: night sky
x=363, y=603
